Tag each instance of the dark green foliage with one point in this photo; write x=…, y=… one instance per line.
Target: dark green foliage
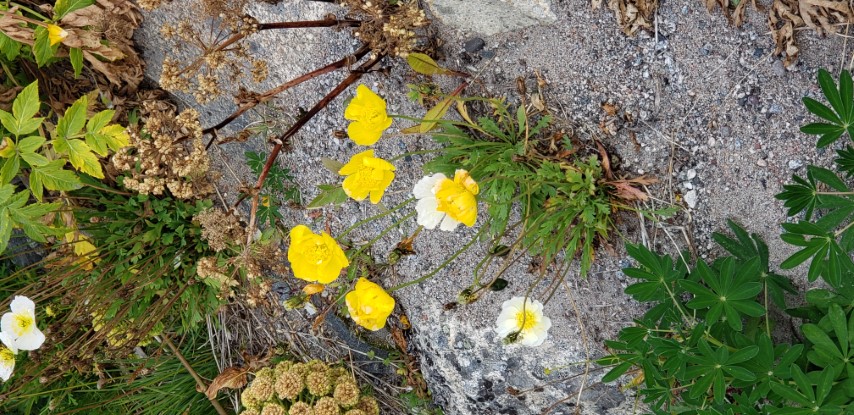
x=839, y=116
x=705, y=346
x=158, y=384
x=825, y=235
x=151, y=244
x=279, y=188
x=565, y=206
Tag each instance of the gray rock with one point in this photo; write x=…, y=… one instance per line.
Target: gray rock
x=795, y=164
x=489, y=17
x=474, y=45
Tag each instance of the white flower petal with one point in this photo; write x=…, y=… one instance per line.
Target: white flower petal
x=424, y=187
x=428, y=216
x=6, y=368
x=449, y=223
x=8, y=341
x=515, y=303
x=505, y=327
x=7, y=323
x=532, y=339
x=22, y=305
x=545, y=323
x=30, y=341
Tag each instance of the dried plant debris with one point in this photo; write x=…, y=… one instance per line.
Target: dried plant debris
x=389, y=29
x=734, y=11
x=217, y=49
x=633, y=15
x=167, y=153
x=787, y=16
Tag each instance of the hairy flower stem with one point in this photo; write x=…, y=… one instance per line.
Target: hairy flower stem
x=287, y=135
x=465, y=247
x=201, y=383
x=269, y=94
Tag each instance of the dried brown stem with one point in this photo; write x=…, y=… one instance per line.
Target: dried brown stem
x=284, y=138
x=201, y=383
x=270, y=26
x=269, y=94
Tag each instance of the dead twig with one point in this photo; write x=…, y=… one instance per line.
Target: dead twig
x=201, y=386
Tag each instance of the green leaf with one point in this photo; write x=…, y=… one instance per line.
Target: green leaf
x=332, y=165
x=830, y=92
x=27, y=148
x=53, y=177
x=425, y=65
x=329, y=195
x=42, y=49
x=80, y=156
x=75, y=55
x=27, y=103
x=10, y=168
x=63, y=7
x=9, y=47
x=72, y=122
x=5, y=229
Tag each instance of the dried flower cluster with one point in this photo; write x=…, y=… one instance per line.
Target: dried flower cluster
x=219, y=58
x=158, y=157
x=388, y=28
x=312, y=388
x=212, y=274
x=220, y=229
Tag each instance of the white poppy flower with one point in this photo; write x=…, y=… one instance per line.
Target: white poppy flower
x=7, y=357
x=20, y=325
x=526, y=320
x=446, y=203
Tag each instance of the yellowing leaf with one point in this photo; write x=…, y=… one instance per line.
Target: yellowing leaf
x=425, y=65
x=436, y=113
x=80, y=156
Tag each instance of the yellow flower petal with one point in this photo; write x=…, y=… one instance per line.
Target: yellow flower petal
x=366, y=175
x=315, y=258
x=369, y=305
x=55, y=34
x=368, y=113
x=456, y=198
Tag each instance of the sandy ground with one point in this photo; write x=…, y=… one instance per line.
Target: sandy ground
x=713, y=112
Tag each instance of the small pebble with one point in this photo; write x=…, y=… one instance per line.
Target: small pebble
x=474, y=45
x=795, y=164
x=761, y=163
x=691, y=199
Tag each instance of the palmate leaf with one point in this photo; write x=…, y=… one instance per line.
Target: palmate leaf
x=746, y=247
x=729, y=293
x=804, y=195
x=16, y=213
x=839, y=116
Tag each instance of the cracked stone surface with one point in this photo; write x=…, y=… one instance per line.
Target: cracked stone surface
x=489, y=17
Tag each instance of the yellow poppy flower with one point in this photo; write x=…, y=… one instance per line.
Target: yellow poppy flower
x=55, y=34
x=315, y=258
x=367, y=111
x=367, y=175
x=369, y=305
x=445, y=201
